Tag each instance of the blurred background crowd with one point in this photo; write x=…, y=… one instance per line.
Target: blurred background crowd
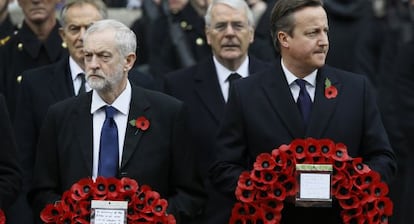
x=369, y=37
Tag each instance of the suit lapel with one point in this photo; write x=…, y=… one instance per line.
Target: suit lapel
x=278, y=93
x=208, y=88
x=323, y=108
x=139, y=105
x=62, y=87
x=83, y=125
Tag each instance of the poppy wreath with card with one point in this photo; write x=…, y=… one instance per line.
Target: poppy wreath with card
x=144, y=204
x=261, y=192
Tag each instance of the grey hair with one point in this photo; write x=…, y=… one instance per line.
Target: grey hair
x=98, y=4
x=235, y=4
x=125, y=39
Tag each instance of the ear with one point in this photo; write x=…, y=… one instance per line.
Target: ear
x=208, y=32
x=130, y=60
x=283, y=39
x=62, y=33
x=251, y=34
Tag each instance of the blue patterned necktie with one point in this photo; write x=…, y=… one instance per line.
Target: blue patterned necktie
x=108, y=149
x=304, y=101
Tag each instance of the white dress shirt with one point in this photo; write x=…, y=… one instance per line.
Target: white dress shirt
x=294, y=88
x=122, y=104
x=75, y=69
x=223, y=73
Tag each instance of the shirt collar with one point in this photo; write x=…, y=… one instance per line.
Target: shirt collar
x=223, y=72
x=290, y=77
x=121, y=103
x=75, y=69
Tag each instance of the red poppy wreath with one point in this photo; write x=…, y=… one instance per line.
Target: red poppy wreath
x=144, y=204
x=2, y=217
x=358, y=189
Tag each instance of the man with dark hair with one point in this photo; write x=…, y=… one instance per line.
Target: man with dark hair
x=279, y=105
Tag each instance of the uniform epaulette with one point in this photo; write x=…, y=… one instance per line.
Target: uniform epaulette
x=4, y=40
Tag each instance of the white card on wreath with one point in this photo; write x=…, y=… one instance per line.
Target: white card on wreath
x=109, y=212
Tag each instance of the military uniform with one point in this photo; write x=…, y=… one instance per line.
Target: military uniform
x=25, y=51
x=6, y=30
x=164, y=56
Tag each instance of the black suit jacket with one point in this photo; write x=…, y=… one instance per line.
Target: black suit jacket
x=261, y=115
x=40, y=88
x=159, y=157
x=10, y=174
x=198, y=87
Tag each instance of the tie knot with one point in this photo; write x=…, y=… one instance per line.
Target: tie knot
x=110, y=111
x=301, y=83
x=233, y=76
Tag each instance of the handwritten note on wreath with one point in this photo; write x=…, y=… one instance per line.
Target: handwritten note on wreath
x=108, y=212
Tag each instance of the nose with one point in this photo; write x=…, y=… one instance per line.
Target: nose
x=92, y=62
x=324, y=40
x=229, y=29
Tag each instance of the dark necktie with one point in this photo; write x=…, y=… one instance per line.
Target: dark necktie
x=304, y=101
x=108, y=151
x=233, y=76
x=82, y=88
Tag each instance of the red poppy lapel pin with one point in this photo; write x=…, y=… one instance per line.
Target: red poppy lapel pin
x=141, y=123
x=330, y=90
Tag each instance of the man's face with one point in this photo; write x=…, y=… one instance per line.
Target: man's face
x=38, y=11
x=78, y=19
x=307, y=48
x=176, y=5
x=104, y=65
x=229, y=34
x=3, y=7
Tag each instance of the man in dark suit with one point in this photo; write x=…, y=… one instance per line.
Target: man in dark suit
x=204, y=88
x=70, y=143
x=10, y=173
x=262, y=112
x=41, y=87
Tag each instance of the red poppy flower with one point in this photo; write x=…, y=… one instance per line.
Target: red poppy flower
x=350, y=214
x=331, y=92
x=277, y=192
x=159, y=207
x=114, y=187
x=264, y=161
x=245, y=181
x=299, y=146
x=50, y=214
x=360, y=167
x=142, y=123
x=290, y=185
x=2, y=217
x=81, y=190
x=245, y=195
x=272, y=212
x=100, y=188
x=340, y=153
x=350, y=203
x=384, y=206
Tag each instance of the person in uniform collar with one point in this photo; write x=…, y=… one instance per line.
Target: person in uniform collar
x=6, y=25
x=36, y=43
